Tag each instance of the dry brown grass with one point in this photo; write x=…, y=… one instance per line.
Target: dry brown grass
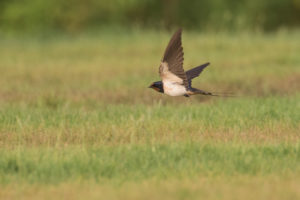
x=240, y=187
x=135, y=134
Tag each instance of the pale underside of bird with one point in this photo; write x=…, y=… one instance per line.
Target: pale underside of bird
x=175, y=81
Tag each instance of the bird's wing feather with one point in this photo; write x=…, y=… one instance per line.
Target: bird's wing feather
x=193, y=73
x=167, y=75
x=172, y=62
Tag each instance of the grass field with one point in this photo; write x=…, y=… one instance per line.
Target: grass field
x=78, y=122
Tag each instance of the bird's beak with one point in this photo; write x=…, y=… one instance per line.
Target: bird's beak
x=150, y=86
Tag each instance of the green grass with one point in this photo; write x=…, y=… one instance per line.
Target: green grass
x=275, y=118
x=77, y=120
x=127, y=163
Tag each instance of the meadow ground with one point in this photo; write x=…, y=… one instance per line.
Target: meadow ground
x=78, y=122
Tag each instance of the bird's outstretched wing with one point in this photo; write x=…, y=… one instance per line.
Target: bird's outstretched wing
x=193, y=73
x=171, y=67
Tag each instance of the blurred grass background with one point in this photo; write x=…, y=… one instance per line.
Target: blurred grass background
x=76, y=114
x=77, y=120
x=214, y=15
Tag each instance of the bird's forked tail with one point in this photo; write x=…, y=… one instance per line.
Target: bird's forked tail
x=194, y=91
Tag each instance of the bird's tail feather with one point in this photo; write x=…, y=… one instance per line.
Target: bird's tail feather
x=217, y=94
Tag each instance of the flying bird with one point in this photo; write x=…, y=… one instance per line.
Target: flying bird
x=175, y=81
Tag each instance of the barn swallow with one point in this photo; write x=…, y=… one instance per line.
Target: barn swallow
x=175, y=81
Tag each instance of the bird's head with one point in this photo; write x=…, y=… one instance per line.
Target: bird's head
x=157, y=86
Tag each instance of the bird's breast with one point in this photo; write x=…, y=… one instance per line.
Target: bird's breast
x=174, y=89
